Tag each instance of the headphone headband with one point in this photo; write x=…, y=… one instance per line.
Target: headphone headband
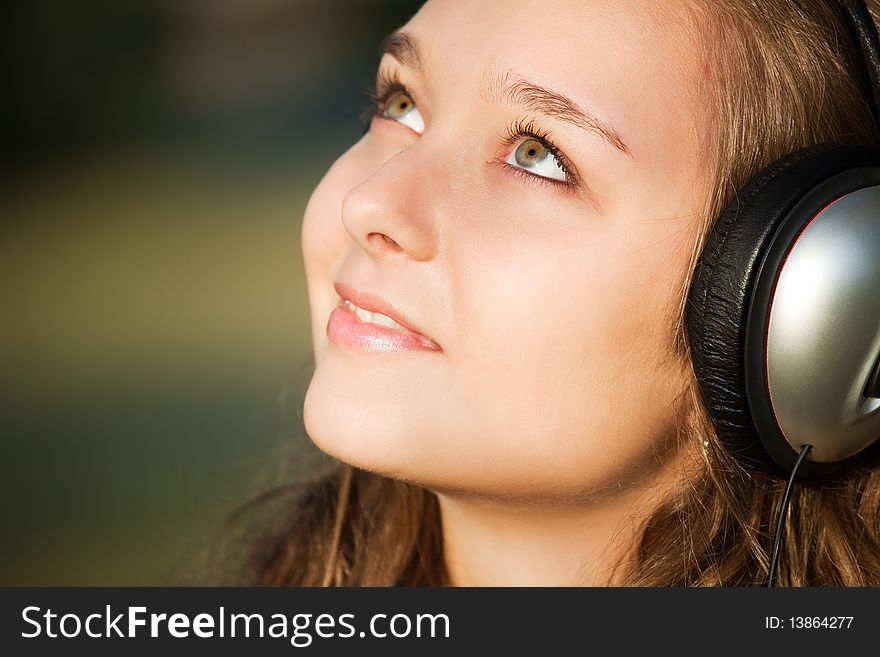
x=864, y=34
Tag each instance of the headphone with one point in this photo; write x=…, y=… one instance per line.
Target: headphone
x=783, y=315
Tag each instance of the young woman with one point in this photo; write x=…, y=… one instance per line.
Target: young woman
x=498, y=273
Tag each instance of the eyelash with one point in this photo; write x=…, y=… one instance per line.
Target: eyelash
x=377, y=96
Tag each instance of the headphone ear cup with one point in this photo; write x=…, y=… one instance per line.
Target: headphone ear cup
x=721, y=295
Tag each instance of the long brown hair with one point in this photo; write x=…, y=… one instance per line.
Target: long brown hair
x=776, y=76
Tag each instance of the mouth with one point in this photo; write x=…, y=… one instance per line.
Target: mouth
x=373, y=317
x=368, y=322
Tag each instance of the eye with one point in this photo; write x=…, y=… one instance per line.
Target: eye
x=400, y=107
x=537, y=158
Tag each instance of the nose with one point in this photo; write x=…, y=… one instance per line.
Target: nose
x=389, y=214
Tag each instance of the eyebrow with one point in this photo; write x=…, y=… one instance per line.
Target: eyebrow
x=512, y=87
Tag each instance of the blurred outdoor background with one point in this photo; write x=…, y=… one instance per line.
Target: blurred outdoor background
x=154, y=336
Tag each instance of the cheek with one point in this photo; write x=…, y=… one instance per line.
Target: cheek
x=324, y=239
x=549, y=332
x=535, y=304
x=323, y=236
x=566, y=354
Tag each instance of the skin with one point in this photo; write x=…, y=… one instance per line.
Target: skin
x=546, y=425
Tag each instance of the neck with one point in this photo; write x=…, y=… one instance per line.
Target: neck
x=489, y=543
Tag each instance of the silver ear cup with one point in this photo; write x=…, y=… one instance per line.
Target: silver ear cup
x=768, y=227
x=823, y=333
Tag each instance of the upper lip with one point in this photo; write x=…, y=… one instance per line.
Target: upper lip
x=376, y=304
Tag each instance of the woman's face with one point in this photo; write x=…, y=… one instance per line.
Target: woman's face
x=528, y=209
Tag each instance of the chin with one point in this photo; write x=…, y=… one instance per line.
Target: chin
x=355, y=433
x=390, y=444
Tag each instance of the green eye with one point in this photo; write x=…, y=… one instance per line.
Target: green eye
x=398, y=105
x=534, y=156
x=530, y=153
x=401, y=108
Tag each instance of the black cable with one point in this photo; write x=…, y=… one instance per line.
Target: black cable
x=780, y=523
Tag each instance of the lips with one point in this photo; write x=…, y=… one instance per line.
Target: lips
x=369, y=322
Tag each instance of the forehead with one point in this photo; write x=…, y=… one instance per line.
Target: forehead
x=628, y=60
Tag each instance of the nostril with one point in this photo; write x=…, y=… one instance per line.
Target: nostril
x=386, y=238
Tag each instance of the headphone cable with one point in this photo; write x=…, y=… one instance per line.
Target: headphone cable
x=780, y=522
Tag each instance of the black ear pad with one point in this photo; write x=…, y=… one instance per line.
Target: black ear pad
x=720, y=298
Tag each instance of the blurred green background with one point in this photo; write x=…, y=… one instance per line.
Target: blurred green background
x=154, y=337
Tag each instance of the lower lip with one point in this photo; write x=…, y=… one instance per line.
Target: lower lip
x=346, y=330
